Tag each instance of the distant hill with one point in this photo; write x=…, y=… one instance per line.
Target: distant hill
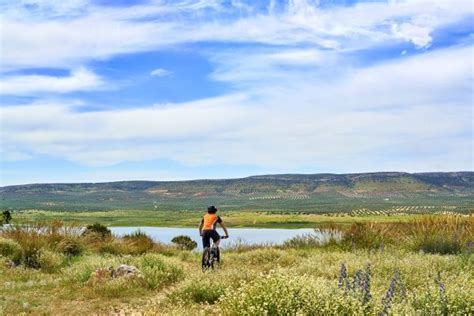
x=280, y=192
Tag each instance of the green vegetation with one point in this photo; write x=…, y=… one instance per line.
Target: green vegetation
x=184, y=242
x=256, y=218
x=6, y=217
x=315, y=194
x=421, y=266
x=97, y=228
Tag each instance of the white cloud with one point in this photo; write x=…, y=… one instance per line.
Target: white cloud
x=160, y=72
x=80, y=79
x=40, y=41
x=296, y=105
x=358, y=122
x=418, y=35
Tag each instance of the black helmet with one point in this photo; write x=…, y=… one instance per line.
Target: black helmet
x=212, y=209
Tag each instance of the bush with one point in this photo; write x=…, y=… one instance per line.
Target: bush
x=112, y=246
x=157, y=273
x=437, y=245
x=99, y=229
x=31, y=246
x=184, y=242
x=365, y=236
x=49, y=261
x=6, y=217
x=70, y=247
x=441, y=235
x=204, y=290
x=284, y=294
x=137, y=243
x=10, y=249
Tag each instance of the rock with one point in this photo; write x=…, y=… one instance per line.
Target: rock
x=10, y=264
x=123, y=270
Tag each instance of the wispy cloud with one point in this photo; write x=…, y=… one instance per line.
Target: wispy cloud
x=79, y=79
x=340, y=88
x=160, y=72
x=144, y=28
x=352, y=120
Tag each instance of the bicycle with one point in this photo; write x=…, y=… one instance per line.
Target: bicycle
x=210, y=255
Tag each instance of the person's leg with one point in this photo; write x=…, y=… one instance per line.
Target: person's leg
x=216, y=238
x=206, y=240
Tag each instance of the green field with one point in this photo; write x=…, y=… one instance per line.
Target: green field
x=262, y=219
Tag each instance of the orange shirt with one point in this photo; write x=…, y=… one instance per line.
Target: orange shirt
x=209, y=221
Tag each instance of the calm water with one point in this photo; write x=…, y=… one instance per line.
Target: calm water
x=248, y=235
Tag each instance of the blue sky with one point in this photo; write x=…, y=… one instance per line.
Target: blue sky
x=98, y=90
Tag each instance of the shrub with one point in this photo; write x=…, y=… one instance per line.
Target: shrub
x=184, y=242
x=157, y=273
x=285, y=294
x=442, y=235
x=437, y=244
x=110, y=246
x=70, y=247
x=6, y=217
x=29, y=258
x=10, y=249
x=137, y=243
x=31, y=246
x=204, y=290
x=365, y=236
x=99, y=229
x=48, y=261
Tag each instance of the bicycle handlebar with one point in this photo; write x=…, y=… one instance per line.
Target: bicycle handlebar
x=224, y=237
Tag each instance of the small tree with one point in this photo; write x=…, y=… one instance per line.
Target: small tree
x=184, y=242
x=98, y=228
x=6, y=217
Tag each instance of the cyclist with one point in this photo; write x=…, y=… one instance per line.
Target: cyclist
x=207, y=228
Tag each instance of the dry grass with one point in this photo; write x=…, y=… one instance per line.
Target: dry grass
x=448, y=234
x=305, y=278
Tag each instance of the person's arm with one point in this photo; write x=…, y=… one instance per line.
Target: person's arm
x=224, y=228
x=200, y=227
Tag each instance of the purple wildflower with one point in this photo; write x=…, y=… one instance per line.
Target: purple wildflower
x=442, y=294
x=388, y=298
x=342, y=275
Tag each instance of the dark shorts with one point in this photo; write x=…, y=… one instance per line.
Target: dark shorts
x=207, y=235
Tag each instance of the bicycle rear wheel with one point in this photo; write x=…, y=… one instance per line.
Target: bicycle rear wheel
x=206, y=259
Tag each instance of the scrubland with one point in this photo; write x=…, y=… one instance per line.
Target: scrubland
x=424, y=266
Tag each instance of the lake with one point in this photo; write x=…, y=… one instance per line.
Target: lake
x=249, y=235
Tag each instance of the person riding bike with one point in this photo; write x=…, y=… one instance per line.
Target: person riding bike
x=207, y=228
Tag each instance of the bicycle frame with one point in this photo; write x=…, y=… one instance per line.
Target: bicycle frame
x=211, y=255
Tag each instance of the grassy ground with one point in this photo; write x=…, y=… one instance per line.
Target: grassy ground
x=420, y=267
x=262, y=219
x=241, y=275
